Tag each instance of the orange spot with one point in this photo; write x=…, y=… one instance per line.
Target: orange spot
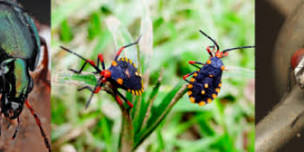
x=119, y=81
x=202, y=103
x=189, y=93
x=208, y=61
x=195, y=74
x=217, y=90
x=192, y=80
x=209, y=100
x=211, y=76
x=203, y=92
x=219, y=54
x=114, y=63
x=213, y=96
x=222, y=68
x=192, y=99
x=190, y=86
x=206, y=85
x=220, y=84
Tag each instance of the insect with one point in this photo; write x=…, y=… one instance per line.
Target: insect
x=205, y=83
x=19, y=53
x=297, y=65
x=121, y=74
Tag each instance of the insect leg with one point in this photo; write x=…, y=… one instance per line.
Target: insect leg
x=188, y=75
x=17, y=128
x=126, y=100
x=80, y=70
x=96, y=89
x=122, y=48
x=38, y=122
x=100, y=60
x=209, y=51
x=195, y=62
x=92, y=63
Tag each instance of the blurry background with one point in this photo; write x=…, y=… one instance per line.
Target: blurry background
x=170, y=39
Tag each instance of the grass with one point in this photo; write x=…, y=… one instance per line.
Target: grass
x=170, y=38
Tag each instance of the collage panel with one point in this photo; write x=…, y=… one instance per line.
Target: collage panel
x=280, y=76
x=153, y=75
x=25, y=77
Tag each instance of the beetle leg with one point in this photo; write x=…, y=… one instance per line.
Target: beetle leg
x=38, y=122
x=188, y=75
x=122, y=48
x=17, y=128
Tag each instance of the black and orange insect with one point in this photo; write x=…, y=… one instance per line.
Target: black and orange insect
x=121, y=74
x=206, y=83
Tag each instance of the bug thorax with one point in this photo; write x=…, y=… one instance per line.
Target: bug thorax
x=106, y=74
x=11, y=107
x=216, y=62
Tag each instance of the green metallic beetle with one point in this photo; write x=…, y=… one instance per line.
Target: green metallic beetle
x=19, y=53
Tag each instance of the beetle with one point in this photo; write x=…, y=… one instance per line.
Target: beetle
x=205, y=83
x=19, y=54
x=121, y=74
x=297, y=65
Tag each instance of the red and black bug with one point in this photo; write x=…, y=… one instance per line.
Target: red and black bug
x=121, y=74
x=205, y=83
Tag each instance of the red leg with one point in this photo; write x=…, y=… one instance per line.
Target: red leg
x=126, y=100
x=38, y=122
x=122, y=48
x=209, y=51
x=96, y=90
x=188, y=75
x=100, y=60
x=118, y=100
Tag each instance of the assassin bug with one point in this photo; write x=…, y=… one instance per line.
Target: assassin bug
x=205, y=83
x=121, y=74
x=19, y=53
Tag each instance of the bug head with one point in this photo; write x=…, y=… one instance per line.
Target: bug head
x=218, y=53
x=11, y=107
x=105, y=73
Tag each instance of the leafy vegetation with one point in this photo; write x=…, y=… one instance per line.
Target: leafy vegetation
x=162, y=119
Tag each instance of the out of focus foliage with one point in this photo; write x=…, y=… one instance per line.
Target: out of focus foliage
x=170, y=38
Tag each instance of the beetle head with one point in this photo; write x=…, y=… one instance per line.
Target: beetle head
x=11, y=107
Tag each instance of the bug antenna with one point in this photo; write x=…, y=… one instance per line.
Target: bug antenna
x=214, y=42
x=136, y=42
x=236, y=48
x=81, y=57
